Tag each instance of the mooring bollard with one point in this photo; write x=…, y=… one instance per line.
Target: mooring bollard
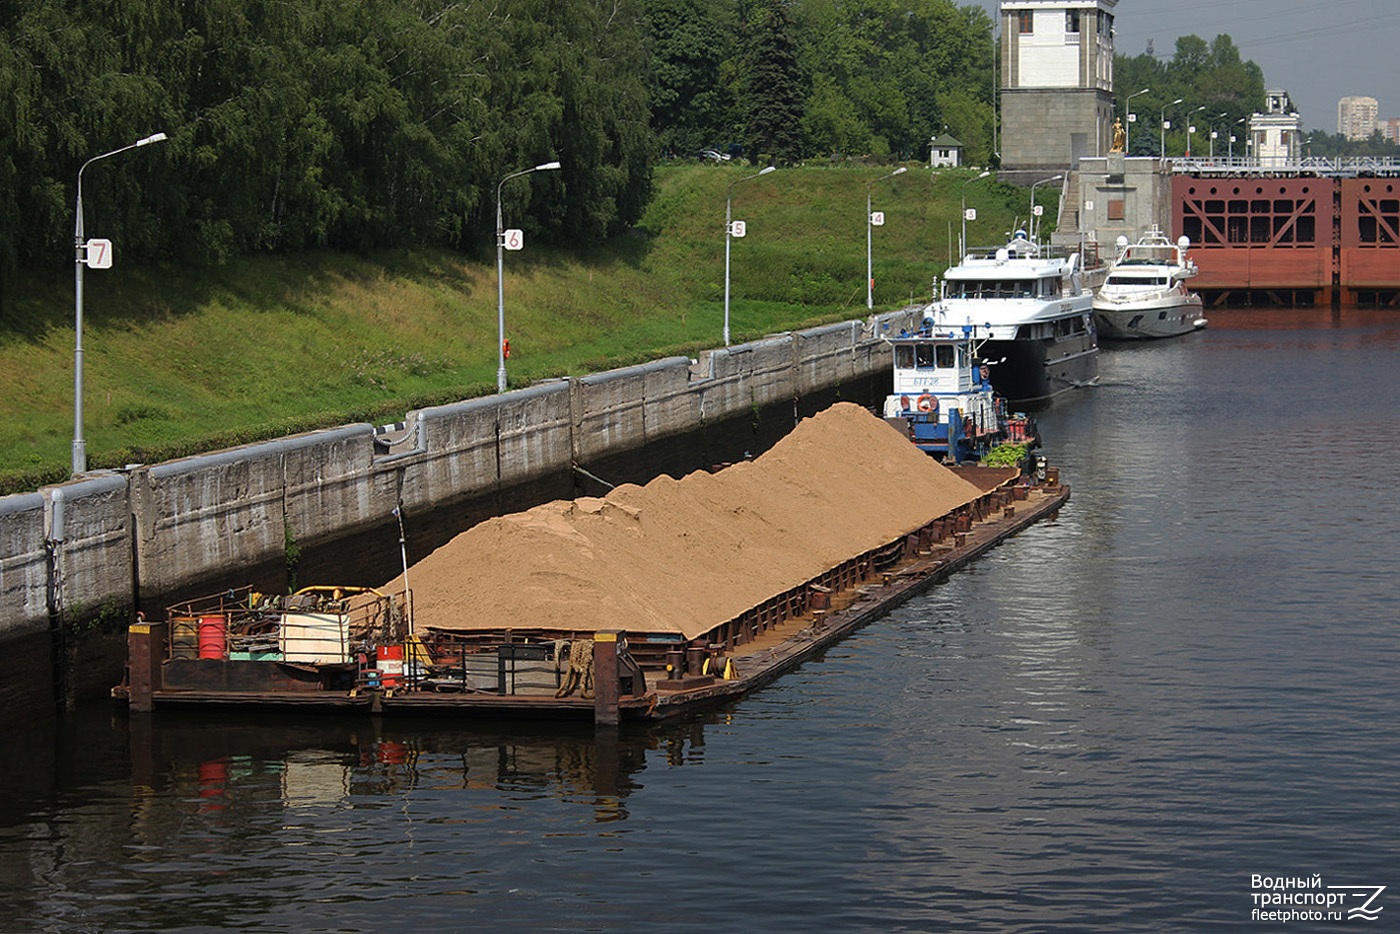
x=607, y=690
x=145, y=647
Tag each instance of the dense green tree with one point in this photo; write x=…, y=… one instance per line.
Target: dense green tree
x=692, y=70
x=350, y=124
x=969, y=118
x=774, y=88
x=883, y=69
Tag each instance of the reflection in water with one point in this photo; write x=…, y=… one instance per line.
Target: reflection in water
x=336, y=765
x=225, y=817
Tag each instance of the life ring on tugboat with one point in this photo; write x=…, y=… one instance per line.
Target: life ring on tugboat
x=927, y=403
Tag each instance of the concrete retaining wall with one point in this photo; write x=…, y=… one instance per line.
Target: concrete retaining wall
x=163, y=529
x=24, y=572
x=89, y=524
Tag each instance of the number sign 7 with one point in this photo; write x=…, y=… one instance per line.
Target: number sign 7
x=99, y=254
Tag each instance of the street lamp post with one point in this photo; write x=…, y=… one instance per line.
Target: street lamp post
x=1163, y=125
x=79, y=261
x=1043, y=181
x=996, y=89
x=1215, y=133
x=500, y=274
x=962, y=247
x=728, y=234
x=1128, y=120
x=1191, y=127
x=869, y=224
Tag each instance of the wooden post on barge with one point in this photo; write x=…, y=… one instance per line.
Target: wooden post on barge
x=607, y=689
x=145, y=650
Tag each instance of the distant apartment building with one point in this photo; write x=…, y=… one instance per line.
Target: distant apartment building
x=1390, y=129
x=1056, y=82
x=1356, y=117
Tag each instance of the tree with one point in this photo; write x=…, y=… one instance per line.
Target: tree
x=692, y=49
x=881, y=69
x=348, y=124
x=774, y=89
x=970, y=120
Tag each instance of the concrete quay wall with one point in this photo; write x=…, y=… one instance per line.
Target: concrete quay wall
x=100, y=546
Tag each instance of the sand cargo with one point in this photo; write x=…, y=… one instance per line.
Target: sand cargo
x=642, y=604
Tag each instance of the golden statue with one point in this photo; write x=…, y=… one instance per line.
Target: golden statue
x=1118, y=136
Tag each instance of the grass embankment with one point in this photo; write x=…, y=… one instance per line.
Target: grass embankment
x=179, y=361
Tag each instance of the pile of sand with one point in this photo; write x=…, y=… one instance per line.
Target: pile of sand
x=685, y=555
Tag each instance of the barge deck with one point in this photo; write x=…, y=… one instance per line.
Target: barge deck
x=752, y=650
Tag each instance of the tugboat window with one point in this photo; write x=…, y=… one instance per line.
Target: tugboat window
x=925, y=355
x=904, y=357
x=945, y=356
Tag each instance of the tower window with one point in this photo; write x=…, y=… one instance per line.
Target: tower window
x=1025, y=22
x=1071, y=21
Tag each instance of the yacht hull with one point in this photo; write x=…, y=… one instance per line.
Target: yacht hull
x=1149, y=320
x=1037, y=370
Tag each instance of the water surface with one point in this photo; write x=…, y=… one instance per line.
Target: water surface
x=1111, y=722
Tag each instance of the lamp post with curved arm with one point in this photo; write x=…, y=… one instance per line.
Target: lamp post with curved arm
x=963, y=246
x=870, y=223
x=80, y=259
x=1191, y=127
x=728, y=235
x=500, y=274
x=1043, y=181
x=1162, y=125
x=1128, y=120
x=1215, y=134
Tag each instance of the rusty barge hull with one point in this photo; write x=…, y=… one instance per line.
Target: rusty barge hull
x=757, y=647
x=1292, y=239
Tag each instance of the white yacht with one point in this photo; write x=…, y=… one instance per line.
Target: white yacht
x=1031, y=315
x=1145, y=294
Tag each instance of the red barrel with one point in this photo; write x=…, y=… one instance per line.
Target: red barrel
x=212, y=637
x=389, y=660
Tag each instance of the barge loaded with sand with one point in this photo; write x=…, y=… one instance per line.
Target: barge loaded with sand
x=645, y=604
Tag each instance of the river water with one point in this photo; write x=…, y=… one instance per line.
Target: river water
x=1139, y=717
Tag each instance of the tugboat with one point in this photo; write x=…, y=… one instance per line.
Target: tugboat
x=943, y=398
x=1145, y=294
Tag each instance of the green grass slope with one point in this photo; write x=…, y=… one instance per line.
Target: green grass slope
x=179, y=361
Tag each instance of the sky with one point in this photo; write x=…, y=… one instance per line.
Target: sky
x=1319, y=51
